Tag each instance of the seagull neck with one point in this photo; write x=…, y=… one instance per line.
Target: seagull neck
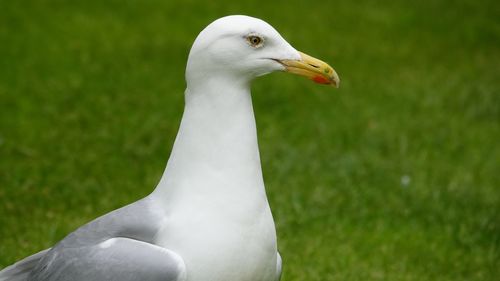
x=216, y=148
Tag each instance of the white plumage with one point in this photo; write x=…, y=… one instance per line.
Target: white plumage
x=208, y=219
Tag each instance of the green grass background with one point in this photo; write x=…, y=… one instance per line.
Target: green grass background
x=395, y=176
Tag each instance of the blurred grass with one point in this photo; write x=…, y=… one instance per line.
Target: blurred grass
x=393, y=177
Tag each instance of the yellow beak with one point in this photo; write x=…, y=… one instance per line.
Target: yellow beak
x=312, y=68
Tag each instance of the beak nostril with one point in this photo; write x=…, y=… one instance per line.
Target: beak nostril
x=315, y=66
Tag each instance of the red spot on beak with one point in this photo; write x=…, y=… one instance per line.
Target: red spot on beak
x=321, y=80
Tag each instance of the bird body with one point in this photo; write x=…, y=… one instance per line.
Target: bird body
x=226, y=201
x=208, y=219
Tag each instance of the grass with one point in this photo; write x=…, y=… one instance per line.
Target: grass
x=393, y=177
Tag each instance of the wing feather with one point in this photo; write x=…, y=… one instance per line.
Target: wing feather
x=115, y=259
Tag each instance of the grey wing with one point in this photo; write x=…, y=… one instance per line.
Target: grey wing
x=21, y=269
x=115, y=259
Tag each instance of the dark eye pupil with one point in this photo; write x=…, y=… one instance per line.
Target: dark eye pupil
x=254, y=40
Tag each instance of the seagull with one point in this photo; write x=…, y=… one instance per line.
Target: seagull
x=208, y=219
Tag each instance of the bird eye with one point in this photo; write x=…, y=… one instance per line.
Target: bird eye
x=255, y=41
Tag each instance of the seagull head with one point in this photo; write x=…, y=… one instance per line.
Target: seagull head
x=241, y=48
